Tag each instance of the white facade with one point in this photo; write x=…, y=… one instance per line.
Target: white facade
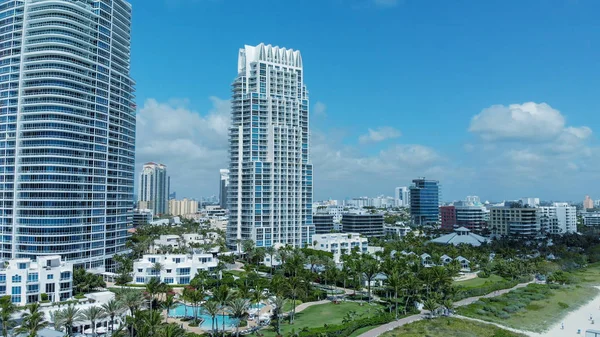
x=396, y=231
x=175, y=268
x=270, y=181
x=402, y=196
x=559, y=218
x=25, y=280
x=532, y=202
x=340, y=243
x=154, y=188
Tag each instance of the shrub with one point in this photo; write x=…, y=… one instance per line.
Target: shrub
x=503, y=315
x=483, y=274
x=348, y=328
x=44, y=297
x=533, y=307
x=511, y=309
x=563, y=305
x=481, y=312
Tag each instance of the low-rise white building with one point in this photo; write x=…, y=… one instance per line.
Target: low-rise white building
x=25, y=280
x=340, y=243
x=396, y=231
x=174, y=268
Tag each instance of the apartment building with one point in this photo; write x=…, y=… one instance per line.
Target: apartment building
x=174, y=268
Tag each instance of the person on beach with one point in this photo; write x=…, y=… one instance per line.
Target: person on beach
x=562, y=325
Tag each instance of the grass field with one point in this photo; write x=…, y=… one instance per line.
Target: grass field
x=534, y=308
x=362, y=330
x=318, y=315
x=450, y=327
x=288, y=305
x=478, y=282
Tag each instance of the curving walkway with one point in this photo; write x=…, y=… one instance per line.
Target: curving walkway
x=406, y=320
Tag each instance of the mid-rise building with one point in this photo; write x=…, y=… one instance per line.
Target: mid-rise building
x=465, y=214
x=560, y=218
x=513, y=219
x=172, y=268
x=531, y=202
x=154, y=188
x=323, y=223
x=25, y=280
x=184, y=206
x=142, y=217
x=591, y=218
x=402, y=196
x=368, y=225
x=448, y=217
x=588, y=203
x=223, y=185
x=270, y=173
x=67, y=130
x=425, y=201
x=396, y=231
x=340, y=244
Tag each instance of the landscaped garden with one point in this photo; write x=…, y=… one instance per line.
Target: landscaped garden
x=450, y=327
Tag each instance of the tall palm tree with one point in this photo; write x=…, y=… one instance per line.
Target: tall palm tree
x=239, y=310
x=431, y=305
x=69, y=317
x=152, y=320
x=94, y=314
x=294, y=288
x=112, y=309
x=271, y=251
x=394, y=281
x=132, y=299
x=33, y=321
x=169, y=304
x=152, y=288
x=7, y=308
x=370, y=268
x=257, y=296
x=212, y=309
x=223, y=295
x=278, y=305
x=171, y=330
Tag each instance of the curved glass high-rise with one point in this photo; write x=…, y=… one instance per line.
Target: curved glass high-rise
x=67, y=129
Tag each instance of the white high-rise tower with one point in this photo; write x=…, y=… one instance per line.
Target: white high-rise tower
x=154, y=188
x=67, y=129
x=270, y=188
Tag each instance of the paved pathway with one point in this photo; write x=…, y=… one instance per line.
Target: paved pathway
x=395, y=324
x=528, y=333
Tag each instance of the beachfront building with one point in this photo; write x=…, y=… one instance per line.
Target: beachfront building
x=25, y=280
x=172, y=268
x=515, y=219
x=366, y=224
x=340, y=244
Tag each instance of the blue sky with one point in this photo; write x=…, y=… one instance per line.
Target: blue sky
x=394, y=88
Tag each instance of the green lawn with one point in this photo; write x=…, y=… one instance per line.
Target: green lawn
x=534, y=308
x=450, y=327
x=288, y=305
x=362, y=330
x=318, y=315
x=478, y=282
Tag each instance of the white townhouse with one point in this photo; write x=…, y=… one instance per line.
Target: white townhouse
x=174, y=268
x=340, y=243
x=25, y=280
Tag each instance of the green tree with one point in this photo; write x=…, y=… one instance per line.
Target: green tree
x=169, y=304
x=171, y=330
x=32, y=321
x=69, y=317
x=238, y=309
x=223, y=295
x=278, y=305
x=212, y=309
x=94, y=314
x=370, y=268
x=7, y=308
x=112, y=308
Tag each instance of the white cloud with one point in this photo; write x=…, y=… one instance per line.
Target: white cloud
x=320, y=109
x=192, y=145
x=379, y=135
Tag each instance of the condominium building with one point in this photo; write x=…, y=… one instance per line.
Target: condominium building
x=560, y=218
x=172, y=268
x=396, y=231
x=402, y=196
x=515, y=220
x=25, y=280
x=474, y=218
x=271, y=177
x=531, y=202
x=368, y=225
x=425, y=201
x=340, y=244
x=154, y=188
x=323, y=223
x=591, y=218
x=223, y=184
x=67, y=130
x=142, y=217
x=181, y=207
x=588, y=203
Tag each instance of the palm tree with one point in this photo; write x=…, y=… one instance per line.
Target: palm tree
x=294, y=288
x=151, y=320
x=394, y=281
x=7, y=308
x=278, y=305
x=112, y=309
x=271, y=251
x=370, y=268
x=431, y=305
x=132, y=299
x=152, y=288
x=33, y=321
x=69, y=317
x=239, y=310
x=169, y=304
x=257, y=296
x=171, y=330
x=94, y=314
x=212, y=309
x=223, y=296
x=449, y=305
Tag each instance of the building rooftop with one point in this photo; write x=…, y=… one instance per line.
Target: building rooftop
x=461, y=235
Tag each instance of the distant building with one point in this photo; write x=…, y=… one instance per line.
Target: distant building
x=223, y=185
x=369, y=225
x=448, y=217
x=323, y=223
x=25, y=280
x=181, y=207
x=425, y=201
x=461, y=235
x=591, y=218
x=340, y=244
x=142, y=217
x=174, y=268
x=394, y=231
x=532, y=202
x=402, y=196
x=588, y=203
x=154, y=188
x=514, y=219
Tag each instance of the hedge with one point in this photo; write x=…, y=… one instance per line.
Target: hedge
x=344, y=330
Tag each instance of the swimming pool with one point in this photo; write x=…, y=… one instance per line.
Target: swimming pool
x=183, y=310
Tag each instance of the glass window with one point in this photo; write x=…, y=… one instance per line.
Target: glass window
x=16, y=278
x=50, y=277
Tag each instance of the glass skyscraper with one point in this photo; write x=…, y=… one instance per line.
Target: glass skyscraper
x=425, y=201
x=67, y=129
x=270, y=188
x=154, y=188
